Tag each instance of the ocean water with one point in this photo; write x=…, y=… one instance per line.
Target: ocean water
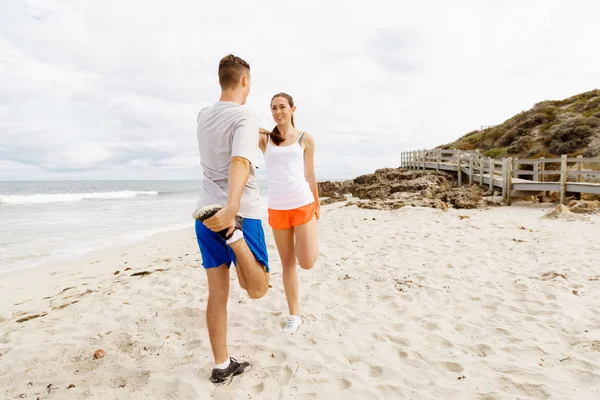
x=47, y=221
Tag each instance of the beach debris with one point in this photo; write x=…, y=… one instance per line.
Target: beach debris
x=595, y=278
x=71, y=386
x=464, y=217
x=518, y=240
x=461, y=377
x=565, y=359
x=64, y=305
x=551, y=275
x=141, y=273
x=127, y=269
x=117, y=272
x=21, y=396
x=30, y=317
x=575, y=292
x=98, y=354
x=50, y=387
x=402, y=284
x=344, y=277
x=122, y=385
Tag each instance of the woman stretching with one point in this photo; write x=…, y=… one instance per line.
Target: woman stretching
x=293, y=197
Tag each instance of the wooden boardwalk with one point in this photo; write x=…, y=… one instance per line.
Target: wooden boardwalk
x=514, y=176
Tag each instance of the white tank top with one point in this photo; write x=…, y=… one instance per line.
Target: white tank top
x=287, y=187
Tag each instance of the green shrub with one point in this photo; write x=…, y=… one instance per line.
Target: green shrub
x=592, y=104
x=567, y=139
x=521, y=145
x=497, y=152
x=469, y=134
x=476, y=138
x=592, y=113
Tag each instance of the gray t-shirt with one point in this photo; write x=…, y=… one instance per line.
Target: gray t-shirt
x=225, y=130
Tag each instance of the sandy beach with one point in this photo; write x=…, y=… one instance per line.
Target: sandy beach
x=415, y=303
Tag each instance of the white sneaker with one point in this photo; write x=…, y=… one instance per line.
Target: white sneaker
x=293, y=323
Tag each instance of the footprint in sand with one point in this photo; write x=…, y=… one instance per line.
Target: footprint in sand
x=452, y=366
x=286, y=375
x=343, y=384
x=430, y=326
x=482, y=350
x=353, y=359
x=257, y=389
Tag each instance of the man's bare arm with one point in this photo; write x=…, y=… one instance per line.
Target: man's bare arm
x=239, y=171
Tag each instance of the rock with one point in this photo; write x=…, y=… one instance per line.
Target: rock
x=334, y=188
x=393, y=188
x=333, y=199
x=584, y=207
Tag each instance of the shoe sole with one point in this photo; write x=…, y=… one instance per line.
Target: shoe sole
x=229, y=380
x=202, y=213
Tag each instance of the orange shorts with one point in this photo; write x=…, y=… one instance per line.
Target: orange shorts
x=286, y=219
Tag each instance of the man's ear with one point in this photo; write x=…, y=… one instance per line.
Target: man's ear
x=245, y=80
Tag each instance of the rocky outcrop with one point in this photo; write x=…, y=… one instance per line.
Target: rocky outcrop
x=393, y=188
x=335, y=188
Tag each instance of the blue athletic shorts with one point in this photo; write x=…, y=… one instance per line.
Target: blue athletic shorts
x=216, y=252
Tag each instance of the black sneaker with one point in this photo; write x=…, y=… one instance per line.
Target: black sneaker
x=235, y=368
x=204, y=213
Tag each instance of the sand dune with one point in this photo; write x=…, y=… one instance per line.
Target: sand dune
x=415, y=303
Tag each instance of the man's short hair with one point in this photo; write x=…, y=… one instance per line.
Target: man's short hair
x=231, y=69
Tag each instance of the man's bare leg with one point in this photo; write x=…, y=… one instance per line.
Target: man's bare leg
x=252, y=275
x=216, y=311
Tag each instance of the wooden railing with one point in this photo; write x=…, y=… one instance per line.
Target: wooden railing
x=510, y=174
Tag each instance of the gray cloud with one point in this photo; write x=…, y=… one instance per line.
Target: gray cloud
x=99, y=90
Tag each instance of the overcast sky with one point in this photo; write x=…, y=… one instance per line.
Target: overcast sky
x=110, y=89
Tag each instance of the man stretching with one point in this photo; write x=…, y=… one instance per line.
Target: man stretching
x=228, y=225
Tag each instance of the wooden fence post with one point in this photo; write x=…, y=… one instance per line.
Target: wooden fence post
x=424, y=154
x=504, y=178
x=542, y=169
x=481, y=168
x=509, y=174
x=515, y=167
x=563, y=178
x=438, y=159
x=536, y=169
x=579, y=175
x=491, y=164
x=459, y=168
x=470, y=169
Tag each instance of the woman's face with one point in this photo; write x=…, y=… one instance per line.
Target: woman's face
x=281, y=110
